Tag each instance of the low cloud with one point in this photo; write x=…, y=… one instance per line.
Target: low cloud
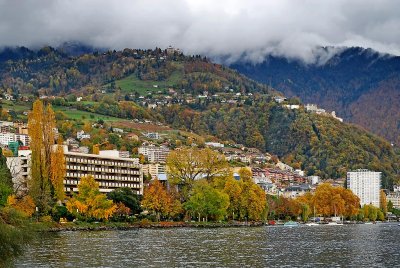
x=224, y=29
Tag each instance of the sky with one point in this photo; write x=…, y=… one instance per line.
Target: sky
x=216, y=28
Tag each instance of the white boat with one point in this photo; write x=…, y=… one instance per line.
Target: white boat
x=333, y=223
x=311, y=224
x=291, y=224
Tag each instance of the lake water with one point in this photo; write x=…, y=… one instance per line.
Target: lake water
x=315, y=246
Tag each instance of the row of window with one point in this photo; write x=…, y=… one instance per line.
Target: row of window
x=107, y=184
x=103, y=177
x=100, y=162
x=103, y=169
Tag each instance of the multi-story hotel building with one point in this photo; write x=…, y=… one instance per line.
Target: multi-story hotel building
x=366, y=185
x=107, y=168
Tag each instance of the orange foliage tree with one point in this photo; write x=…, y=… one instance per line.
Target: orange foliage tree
x=329, y=200
x=158, y=200
x=24, y=204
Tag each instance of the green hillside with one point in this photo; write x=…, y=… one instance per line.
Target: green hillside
x=206, y=98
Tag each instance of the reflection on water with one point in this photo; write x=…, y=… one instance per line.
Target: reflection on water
x=348, y=245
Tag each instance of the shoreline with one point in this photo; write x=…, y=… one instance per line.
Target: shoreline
x=84, y=226
x=159, y=225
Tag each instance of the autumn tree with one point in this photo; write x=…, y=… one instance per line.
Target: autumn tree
x=207, y=202
x=186, y=165
x=41, y=123
x=328, y=201
x=58, y=169
x=233, y=189
x=89, y=202
x=253, y=203
x=24, y=204
x=158, y=200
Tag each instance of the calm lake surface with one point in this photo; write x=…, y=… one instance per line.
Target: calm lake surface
x=315, y=246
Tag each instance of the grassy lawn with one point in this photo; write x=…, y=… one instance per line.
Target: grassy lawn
x=20, y=107
x=131, y=83
x=76, y=114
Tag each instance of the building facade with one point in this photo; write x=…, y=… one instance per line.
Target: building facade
x=19, y=167
x=394, y=198
x=108, y=169
x=366, y=185
x=154, y=169
x=154, y=153
x=6, y=138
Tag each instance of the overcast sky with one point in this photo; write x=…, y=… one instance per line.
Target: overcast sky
x=212, y=27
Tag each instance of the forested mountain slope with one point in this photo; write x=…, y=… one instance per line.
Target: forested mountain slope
x=361, y=85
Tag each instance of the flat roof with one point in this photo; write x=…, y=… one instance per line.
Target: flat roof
x=100, y=156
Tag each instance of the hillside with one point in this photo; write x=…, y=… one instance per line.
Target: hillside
x=193, y=94
x=361, y=85
x=318, y=144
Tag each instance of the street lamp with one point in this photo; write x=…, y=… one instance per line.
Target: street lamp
x=37, y=214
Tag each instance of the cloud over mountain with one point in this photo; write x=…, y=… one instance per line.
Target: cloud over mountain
x=215, y=28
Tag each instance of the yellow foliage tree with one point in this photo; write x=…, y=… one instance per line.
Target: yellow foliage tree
x=24, y=204
x=47, y=161
x=58, y=169
x=186, y=165
x=41, y=124
x=89, y=202
x=234, y=190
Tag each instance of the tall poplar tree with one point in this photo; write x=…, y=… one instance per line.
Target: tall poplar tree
x=57, y=170
x=41, y=124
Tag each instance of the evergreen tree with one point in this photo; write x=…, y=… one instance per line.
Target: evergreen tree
x=6, y=184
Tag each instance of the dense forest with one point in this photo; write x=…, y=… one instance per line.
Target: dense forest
x=361, y=85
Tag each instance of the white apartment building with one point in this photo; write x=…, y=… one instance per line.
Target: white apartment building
x=19, y=167
x=154, y=153
x=153, y=169
x=107, y=168
x=80, y=135
x=6, y=138
x=366, y=185
x=215, y=144
x=394, y=198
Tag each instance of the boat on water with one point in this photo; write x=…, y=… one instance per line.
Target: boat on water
x=291, y=224
x=311, y=224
